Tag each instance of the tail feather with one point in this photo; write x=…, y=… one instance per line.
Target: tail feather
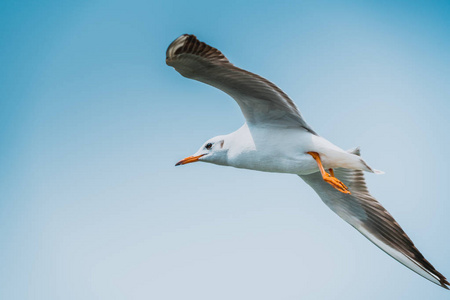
x=357, y=151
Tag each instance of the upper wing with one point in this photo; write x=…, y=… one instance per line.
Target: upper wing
x=369, y=217
x=260, y=100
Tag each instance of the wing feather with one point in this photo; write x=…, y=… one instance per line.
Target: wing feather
x=368, y=216
x=261, y=101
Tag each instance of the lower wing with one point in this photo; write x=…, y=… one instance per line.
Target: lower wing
x=369, y=217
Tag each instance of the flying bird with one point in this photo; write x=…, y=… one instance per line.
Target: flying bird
x=276, y=138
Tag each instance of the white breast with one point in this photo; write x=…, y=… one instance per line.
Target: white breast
x=271, y=149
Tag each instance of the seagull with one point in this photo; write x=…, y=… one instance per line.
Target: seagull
x=276, y=138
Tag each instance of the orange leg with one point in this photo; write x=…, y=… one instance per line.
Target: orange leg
x=333, y=181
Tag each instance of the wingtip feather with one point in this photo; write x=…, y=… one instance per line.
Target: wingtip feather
x=189, y=44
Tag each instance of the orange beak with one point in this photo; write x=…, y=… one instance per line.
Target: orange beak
x=189, y=160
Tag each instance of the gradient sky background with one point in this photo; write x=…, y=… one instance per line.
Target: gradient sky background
x=92, y=122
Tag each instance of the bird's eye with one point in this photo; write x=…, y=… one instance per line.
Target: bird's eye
x=208, y=146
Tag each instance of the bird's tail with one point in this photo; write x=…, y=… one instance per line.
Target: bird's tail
x=360, y=163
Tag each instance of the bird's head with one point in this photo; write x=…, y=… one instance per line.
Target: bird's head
x=213, y=151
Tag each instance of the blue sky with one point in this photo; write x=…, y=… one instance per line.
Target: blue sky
x=92, y=122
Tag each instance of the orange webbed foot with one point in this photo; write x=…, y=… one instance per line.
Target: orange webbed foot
x=333, y=181
x=337, y=184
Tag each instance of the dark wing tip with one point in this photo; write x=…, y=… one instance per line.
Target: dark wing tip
x=444, y=282
x=189, y=44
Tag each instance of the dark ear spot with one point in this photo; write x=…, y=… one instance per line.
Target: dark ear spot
x=221, y=144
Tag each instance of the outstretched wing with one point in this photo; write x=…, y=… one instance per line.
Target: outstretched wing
x=369, y=217
x=261, y=101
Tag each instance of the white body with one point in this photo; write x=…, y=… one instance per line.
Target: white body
x=284, y=150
